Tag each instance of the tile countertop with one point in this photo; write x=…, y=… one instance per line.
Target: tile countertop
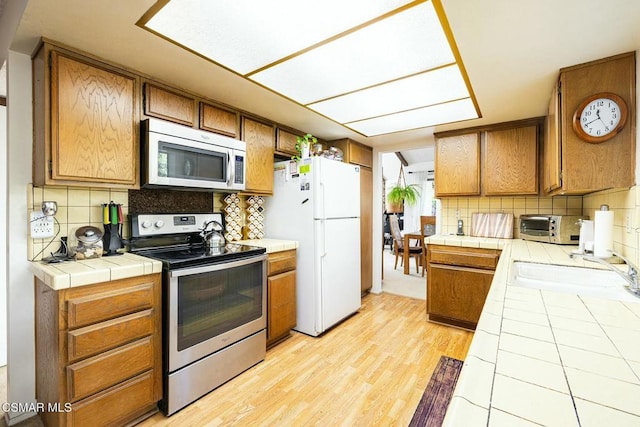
x=272, y=245
x=548, y=358
x=97, y=270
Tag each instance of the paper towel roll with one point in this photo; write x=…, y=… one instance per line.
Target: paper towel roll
x=603, y=234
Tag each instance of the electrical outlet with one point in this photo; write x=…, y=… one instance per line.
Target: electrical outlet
x=627, y=223
x=41, y=226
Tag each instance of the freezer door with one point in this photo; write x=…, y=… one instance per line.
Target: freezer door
x=338, y=244
x=336, y=187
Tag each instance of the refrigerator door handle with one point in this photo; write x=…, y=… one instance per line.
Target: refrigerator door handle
x=322, y=239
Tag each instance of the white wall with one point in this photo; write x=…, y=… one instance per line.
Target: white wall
x=3, y=236
x=20, y=300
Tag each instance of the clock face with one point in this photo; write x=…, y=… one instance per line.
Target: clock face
x=600, y=117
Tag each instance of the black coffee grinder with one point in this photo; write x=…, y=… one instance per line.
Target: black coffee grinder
x=112, y=222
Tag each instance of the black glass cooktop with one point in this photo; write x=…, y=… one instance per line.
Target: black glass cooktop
x=198, y=255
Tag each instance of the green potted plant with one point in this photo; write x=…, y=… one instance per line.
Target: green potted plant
x=402, y=193
x=303, y=145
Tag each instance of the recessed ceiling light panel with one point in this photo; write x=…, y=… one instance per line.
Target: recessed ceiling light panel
x=421, y=90
x=409, y=42
x=245, y=35
x=423, y=117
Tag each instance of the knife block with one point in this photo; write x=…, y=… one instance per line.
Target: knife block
x=112, y=241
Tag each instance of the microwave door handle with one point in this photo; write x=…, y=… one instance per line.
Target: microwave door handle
x=229, y=169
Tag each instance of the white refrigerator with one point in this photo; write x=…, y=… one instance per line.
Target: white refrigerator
x=317, y=203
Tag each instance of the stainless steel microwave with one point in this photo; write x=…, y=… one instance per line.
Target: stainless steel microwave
x=559, y=229
x=176, y=156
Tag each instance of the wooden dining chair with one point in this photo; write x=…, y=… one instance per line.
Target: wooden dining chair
x=427, y=228
x=398, y=239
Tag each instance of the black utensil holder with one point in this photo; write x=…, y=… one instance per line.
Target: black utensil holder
x=111, y=240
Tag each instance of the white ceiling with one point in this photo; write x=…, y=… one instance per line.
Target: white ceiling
x=512, y=51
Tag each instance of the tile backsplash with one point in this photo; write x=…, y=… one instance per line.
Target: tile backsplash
x=76, y=207
x=624, y=202
x=462, y=208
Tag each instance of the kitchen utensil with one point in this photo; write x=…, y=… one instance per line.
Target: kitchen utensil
x=112, y=222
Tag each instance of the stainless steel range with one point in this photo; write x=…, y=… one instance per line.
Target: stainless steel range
x=214, y=304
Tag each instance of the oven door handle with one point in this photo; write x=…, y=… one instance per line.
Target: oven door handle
x=216, y=267
x=535, y=218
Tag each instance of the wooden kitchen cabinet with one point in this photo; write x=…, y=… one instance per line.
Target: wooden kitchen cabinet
x=286, y=142
x=219, y=120
x=281, y=295
x=458, y=280
x=169, y=105
x=490, y=160
x=358, y=154
x=86, y=121
x=457, y=165
x=552, y=166
x=98, y=350
x=510, y=164
x=354, y=152
x=579, y=167
x=260, y=139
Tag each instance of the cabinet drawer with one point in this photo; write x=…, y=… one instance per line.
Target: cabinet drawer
x=280, y=262
x=102, y=306
x=105, y=370
x=126, y=401
x=94, y=339
x=468, y=257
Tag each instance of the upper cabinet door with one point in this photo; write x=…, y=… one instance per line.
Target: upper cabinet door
x=260, y=139
x=168, y=105
x=589, y=167
x=552, y=154
x=457, y=165
x=93, y=123
x=219, y=120
x=286, y=142
x=511, y=161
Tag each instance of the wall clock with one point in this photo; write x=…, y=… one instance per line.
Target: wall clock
x=600, y=117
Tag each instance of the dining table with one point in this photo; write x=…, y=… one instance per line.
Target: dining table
x=413, y=235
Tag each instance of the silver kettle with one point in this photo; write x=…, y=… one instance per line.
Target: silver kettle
x=212, y=234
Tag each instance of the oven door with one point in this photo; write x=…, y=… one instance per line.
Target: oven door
x=214, y=306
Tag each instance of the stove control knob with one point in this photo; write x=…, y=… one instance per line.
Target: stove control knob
x=146, y=224
x=159, y=223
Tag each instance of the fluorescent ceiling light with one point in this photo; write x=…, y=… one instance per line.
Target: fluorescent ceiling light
x=412, y=92
x=352, y=61
x=422, y=117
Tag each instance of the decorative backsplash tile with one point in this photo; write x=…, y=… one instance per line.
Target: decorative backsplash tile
x=77, y=207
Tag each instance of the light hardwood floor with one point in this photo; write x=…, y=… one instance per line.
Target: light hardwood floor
x=371, y=370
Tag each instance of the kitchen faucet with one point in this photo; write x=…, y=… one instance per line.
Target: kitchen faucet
x=630, y=277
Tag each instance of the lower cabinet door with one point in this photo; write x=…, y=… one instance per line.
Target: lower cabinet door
x=118, y=405
x=457, y=293
x=281, y=315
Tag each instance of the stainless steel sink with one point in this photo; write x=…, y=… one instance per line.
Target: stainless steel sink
x=573, y=280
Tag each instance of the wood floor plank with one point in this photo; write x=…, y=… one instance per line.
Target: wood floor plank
x=370, y=370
